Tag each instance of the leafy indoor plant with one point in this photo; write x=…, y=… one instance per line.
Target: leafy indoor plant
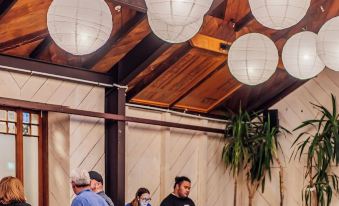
x=322, y=148
x=251, y=147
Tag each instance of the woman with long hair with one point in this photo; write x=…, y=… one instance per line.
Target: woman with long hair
x=12, y=192
x=142, y=198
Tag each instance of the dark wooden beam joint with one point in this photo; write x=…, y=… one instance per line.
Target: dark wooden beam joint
x=5, y=6
x=40, y=48
x=115, y=147
x=243, y=22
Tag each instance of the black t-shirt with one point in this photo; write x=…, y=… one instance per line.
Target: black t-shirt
x=172, y=200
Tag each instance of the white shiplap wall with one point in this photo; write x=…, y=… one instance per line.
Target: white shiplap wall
x=74, y=141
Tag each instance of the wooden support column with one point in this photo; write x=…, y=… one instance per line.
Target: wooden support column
x=115, y=146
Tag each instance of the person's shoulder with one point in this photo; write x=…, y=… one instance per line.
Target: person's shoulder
x=128, y=204
x=107, y=199
x=191, y=201
x=167, y=200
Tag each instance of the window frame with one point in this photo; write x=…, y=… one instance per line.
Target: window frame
x=42, y=149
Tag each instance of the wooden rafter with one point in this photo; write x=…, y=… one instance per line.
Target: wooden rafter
x=39, y=67
x=22, y=40
x=138, y=59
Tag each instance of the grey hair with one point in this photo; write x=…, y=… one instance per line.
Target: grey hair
x=80, y=177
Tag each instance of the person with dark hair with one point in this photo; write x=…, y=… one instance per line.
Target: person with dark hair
x=179, y=197
x=12, y=192
x=142, y=198
x=97, y=186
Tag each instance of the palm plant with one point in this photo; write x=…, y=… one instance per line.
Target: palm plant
x=235, y=152
x=251, y=147
x=322, y=149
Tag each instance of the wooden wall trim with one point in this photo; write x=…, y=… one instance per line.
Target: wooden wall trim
x=116, y=117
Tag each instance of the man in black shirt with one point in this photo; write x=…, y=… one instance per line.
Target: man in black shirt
x=179, y=197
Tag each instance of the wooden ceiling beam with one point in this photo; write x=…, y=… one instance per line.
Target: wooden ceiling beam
x=22, y=40
x=5, y=6
x=160, y=69
x=139, y=58
x=40, y=48
x=39, y=67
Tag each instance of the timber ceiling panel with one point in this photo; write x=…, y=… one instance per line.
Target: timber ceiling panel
x=180, y=77
x=190, y=76
x=216, y=88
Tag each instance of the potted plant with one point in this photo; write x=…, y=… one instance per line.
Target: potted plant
x=322, y=148
x=251, y=147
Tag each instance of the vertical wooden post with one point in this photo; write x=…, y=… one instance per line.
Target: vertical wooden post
x=115, y=146
x=19, y=147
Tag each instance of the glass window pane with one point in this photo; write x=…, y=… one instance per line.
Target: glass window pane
x=3, y=127
x=35, y=119
x=3, y=115
x=34, y=130
x=26, y=129
x=26, y=117
x=7, y=157
x=11, y=116
x=31, y=170
x=11, y=128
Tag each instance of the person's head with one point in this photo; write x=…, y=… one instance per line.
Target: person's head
x=142, y=197
x=96, y=181
x=80, y=180
x=182, y=186
x=11, y=189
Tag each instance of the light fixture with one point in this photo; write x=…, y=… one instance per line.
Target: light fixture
x=328, y=43
x=279, y=14
x=253, y=58
x=79, y=26
x=178, y=12
x=172, y=33
x=300, y=57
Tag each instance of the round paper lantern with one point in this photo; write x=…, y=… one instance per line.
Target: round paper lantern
x=279, y=14
x=172, y=33
x=79, y=26
x=328, y=43
x=253, y=58
x=300, y=57
x=178, y=12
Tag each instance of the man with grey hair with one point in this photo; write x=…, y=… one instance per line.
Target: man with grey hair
x=81, y=187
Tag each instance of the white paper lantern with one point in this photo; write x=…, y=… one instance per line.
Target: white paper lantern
x=178, y=12
x=328, y=43
x=172, y=33
x=300, y=57
x=79, y=26
x=279, y=14
x=253, y=58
